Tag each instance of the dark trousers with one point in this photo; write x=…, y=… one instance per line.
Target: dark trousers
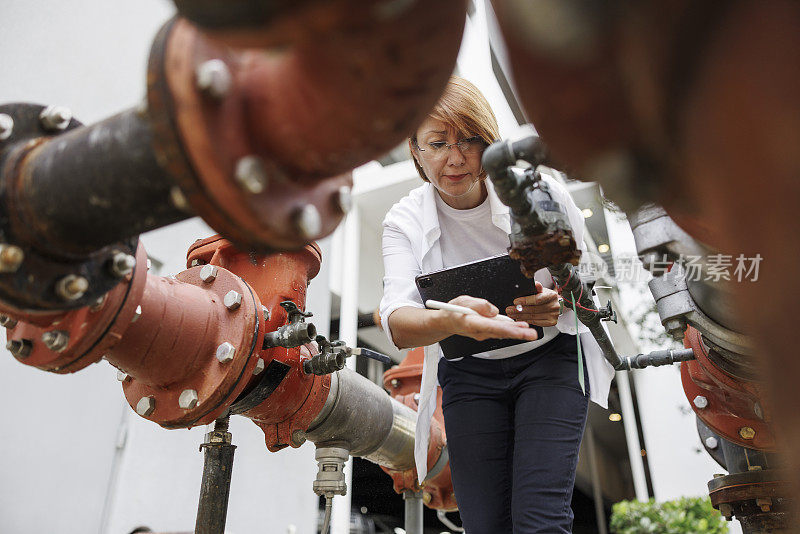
x=514, y=427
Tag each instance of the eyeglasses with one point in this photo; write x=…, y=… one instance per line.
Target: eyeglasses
x=439, y=149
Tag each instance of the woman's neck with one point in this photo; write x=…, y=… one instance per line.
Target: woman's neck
x=472, y=200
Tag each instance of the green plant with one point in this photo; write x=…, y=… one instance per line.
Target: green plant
x=688, y=515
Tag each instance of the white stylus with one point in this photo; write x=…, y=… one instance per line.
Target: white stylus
x=436, y=305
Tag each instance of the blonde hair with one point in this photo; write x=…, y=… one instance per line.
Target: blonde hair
x=464, y=108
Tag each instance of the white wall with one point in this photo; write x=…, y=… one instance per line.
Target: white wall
x=74, y=458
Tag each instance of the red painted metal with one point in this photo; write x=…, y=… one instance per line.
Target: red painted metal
x=731, y=401
x=172, y=347
x=275, y=278
x=92, y=331
x=403, y=383
x=311, y=110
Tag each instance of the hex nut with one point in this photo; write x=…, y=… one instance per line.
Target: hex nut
x=122, y=376
x=298, y=438
x=395, y=383
x=6, y=126
x=178, y=199
x=747, y=432
x=122, y=264
x=758, y=410
x=208, y=273
x=308, y=221
x=7, y=321
x=55, y=118
x=344, y=199
x=11, y=257
x=726, y=510
x=72, y=287
x=266, y=313
x=56, y=340
x=260, y=366
x=20, y=348
x=188, y=399
x=700, y=402
x=251, y=175
x=225, y=352
x=712, y=442
x=232, y=300
x=146, y=406
x=214, y=78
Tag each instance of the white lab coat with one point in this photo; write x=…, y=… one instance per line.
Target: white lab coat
x=411, y=247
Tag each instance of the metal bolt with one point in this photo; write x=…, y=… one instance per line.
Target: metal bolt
x=308, y=221
x=251, y=175
x=747, y=432
x=676, y=328
x=758, y=411
x=55, y=340
x=178, y=199
x=214, y=78
x=344, y=199
x=7, y=321
x=6, y=126
x=72, y=287
x=700, y=401
x=395, y=382
x=225, y=352
x=122, y=264
x=188, y=399
x=711, y=442
x=726, y=511
x=11, y=257
x=122, y=376
x=97, y=304
x=232, y=300
x=718, y=475
x=259, y=366
x=136, y=314
x=146, y=406
x=426, y=497
x=55, y=118
x=208, y=273
x=765, y=503
x=265, y=310
x=298, y=437
x=20, y=348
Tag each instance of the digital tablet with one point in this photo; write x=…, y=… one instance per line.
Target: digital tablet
x=497, y=279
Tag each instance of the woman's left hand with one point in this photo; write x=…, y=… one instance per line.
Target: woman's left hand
x=541, y=309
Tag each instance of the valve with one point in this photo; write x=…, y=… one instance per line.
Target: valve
x=298, y=332
x=332, y=354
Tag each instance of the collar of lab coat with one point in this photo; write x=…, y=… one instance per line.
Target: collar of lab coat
x=430, y=215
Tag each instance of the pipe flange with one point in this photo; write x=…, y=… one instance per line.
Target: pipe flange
x=43, y=278
x=85, y=334
x=225, y=361
x=245, y=197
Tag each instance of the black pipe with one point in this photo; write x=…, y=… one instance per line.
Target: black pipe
x=657, y=358
x=232, y=14
x=94, y=186
x=570, y=284
x=215, y=488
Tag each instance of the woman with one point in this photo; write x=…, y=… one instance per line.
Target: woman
x=514, y=416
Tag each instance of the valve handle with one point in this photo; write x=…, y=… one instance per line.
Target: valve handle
x=293, y=313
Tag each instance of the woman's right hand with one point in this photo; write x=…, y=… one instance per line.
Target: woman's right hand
x=486, y=325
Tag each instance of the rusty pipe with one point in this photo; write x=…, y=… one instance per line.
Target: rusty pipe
x=271, y=130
